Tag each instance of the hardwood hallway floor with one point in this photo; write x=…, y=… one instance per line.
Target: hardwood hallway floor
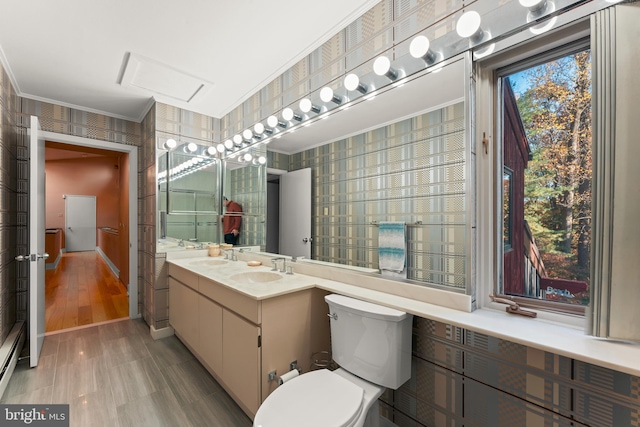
x=81, y=291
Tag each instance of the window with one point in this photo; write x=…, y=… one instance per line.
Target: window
x=547, y=171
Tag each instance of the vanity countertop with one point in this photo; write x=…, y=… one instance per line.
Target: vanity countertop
x=538, y=333
x=224, y=274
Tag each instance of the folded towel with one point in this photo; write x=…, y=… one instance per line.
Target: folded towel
x=391, y=249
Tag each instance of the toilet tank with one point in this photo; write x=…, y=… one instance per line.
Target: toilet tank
x=370, y=341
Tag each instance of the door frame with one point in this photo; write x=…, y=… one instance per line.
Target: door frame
x=133, y=202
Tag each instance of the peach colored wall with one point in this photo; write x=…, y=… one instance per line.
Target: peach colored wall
x=123, y=230
x=90, y=176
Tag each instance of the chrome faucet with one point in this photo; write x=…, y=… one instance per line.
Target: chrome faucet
x=230, y=254
x=274, y=263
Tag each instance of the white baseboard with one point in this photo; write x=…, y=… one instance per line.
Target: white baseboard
x=157, y=334
x=10, y=352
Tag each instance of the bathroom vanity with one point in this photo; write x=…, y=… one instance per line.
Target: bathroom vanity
x=242, y=324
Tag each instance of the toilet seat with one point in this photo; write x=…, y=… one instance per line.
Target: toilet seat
x=315, y=399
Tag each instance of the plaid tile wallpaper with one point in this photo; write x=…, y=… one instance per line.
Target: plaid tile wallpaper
x=464, y=378
x=13, y=293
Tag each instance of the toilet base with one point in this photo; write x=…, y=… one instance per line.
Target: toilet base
x=373, y=415
x=370, y=405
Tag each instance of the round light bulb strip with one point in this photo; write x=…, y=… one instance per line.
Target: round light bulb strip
x=469, y=25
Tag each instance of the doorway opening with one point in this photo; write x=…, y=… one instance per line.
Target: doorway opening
x=273, y=213
x=88, y=274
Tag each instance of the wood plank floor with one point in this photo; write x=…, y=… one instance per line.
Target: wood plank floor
x=116, y=375
x=81, y=291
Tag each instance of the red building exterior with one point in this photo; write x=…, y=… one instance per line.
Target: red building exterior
x=518, y=239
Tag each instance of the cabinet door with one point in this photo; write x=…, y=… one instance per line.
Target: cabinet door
x=241, y=359
x=183, y=311
x=176, y=314
x=210, y=339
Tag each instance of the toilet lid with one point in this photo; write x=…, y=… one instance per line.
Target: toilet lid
x=315, y=399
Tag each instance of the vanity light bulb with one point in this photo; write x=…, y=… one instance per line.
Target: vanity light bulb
x=287, y=114
x=305, y=105
x=220, y=148
x=272, y=121
x=262, y=160
x=259, y=128
x=192, y=147
x=419, y=47
x=381, y=65
x=468, y=24
x=211, y=151
x=228, y=144
x=351, y=81
x=171, y=143
x=237, y=139
x=326, y=94
x=247, y=134
x=248, y=157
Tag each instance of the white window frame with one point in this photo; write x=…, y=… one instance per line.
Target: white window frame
x=489, y=244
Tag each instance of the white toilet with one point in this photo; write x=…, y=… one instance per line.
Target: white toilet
x=372, y=345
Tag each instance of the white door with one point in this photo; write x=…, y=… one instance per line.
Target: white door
x=37, y=255
x=295, y=213
x=80, y=223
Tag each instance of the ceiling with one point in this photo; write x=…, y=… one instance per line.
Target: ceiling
x=117, y=57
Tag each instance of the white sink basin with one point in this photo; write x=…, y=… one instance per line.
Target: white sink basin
x=208, y=262
x=256, y=277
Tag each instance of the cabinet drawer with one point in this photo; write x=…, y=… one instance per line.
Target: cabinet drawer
x=185, y=276
x=246, y=307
